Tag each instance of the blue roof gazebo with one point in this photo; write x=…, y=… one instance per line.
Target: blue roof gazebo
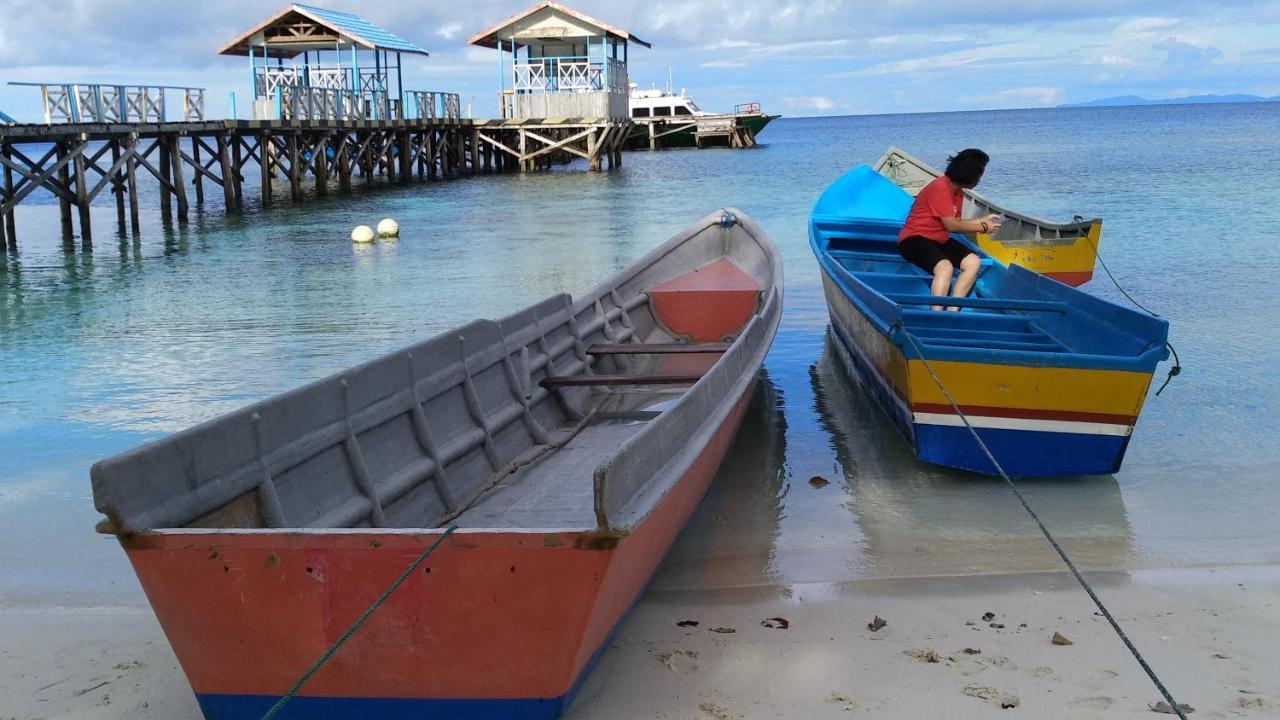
x=349, y=69
x=555, y=62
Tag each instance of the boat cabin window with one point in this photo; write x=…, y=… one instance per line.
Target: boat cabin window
x=661, y=111
x=640, y=112
x=682, y=110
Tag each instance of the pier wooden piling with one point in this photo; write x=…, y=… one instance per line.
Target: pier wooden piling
x=86, y=158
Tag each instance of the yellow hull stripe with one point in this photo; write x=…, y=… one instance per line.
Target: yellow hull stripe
x=1113, y=392
x=1072, y=256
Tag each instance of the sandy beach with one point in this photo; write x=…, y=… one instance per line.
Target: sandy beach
x=801, y=651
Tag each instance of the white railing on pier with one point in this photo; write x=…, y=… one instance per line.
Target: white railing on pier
x=268, y=79
x=313, y=103
x=98, y=103
x=569, y=74
x=431, y=105
x=331, y=78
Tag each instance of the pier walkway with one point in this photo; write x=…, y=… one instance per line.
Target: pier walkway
x=77, y=162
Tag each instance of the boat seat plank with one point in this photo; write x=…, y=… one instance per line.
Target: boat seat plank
x=885, y=257
x=984, y=344
x=656, y=348
x=587, y=380
x=557, y=490
x=980, y=303
x=1028, y=335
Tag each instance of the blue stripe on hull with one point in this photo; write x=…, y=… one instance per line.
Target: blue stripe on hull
x=253, y=707
x=1022, y=453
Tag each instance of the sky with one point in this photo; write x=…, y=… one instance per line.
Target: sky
x=796, y=57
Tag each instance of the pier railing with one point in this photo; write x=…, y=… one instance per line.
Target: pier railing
x=315, y=103
x=431, y=105
x=569, y=74
x=267, y=79
x=89, y=103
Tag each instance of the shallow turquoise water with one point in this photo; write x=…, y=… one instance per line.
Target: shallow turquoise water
x=146, y=336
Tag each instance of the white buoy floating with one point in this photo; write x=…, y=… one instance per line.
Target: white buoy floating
x=362, y=234
x=388, y=228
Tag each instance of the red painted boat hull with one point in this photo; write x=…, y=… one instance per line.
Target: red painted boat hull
x=494, y=624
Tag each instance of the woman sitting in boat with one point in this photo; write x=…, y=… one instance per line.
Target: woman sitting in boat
x=925, y=239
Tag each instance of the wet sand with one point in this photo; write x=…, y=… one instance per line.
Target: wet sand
x=798, y=651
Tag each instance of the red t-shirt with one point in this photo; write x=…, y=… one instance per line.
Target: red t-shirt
x=935, y=201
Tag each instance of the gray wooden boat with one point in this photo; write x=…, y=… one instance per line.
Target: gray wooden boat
x=561, y=449
x=1063, y=251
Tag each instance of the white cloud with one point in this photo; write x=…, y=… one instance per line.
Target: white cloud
x=787, y=48
x=730, y=44
x=1037, y=95
x=1185, y=56
x=721, y=49
x=1146, y=25
x=985, y=54
x=813, y=102
x=475, y=54
x=1018, y=97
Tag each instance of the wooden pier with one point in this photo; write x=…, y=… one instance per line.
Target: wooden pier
x=78, y=162
x=699, y=132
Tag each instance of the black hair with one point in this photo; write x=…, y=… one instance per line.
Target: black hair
x=965, y=167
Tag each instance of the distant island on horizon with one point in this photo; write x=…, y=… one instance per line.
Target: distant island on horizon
x=1125, y=100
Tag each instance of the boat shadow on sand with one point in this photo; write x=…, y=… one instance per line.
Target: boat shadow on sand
x=921, y=519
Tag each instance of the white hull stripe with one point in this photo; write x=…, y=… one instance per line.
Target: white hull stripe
x=1003, y=423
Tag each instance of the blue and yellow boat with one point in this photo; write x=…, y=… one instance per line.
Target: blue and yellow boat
x=1053, y=379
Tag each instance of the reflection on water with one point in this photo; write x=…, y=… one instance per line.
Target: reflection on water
x=729, y=541
x=882, y=513
x=919, y=519
x=154, y=332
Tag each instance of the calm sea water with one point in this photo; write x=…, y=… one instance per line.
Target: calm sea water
x=144, y=336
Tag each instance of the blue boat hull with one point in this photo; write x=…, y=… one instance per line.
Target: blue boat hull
x=946, y=440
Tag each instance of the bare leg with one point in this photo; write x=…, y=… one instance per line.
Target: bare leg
x=941, y=280
x=968, y=274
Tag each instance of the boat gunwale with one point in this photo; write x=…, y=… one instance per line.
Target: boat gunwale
x=768, y=310
x=349, y=531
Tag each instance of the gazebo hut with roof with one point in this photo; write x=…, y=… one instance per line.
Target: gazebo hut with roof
x=555, y=62
x=340, y=67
